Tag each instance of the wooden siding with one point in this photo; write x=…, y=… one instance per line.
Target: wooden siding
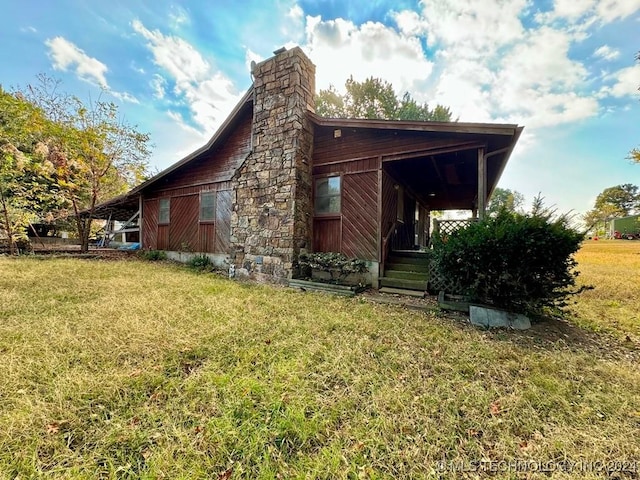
x=210, y=167
x=359, y=215
x=183, y=229
x=224, y=205
x=327, y=234
x=163, y=237
x=206, y=237
x=362, y=165
x=190, y=190
x=150, y=224
x=364, y=143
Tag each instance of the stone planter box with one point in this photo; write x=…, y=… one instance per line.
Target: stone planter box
x=458, y=303
x=345, y=290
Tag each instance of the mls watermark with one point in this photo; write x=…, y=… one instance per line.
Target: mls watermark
x=528, y=465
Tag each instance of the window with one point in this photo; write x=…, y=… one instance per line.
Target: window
x=163, y=210
x=328, y=195
x=207, y=206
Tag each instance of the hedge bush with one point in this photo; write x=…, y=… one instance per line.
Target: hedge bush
x=519, y=262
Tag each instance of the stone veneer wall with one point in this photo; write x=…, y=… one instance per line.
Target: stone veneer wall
x=272, y=218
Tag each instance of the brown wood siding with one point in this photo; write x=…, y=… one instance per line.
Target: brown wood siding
x=362, y=165
x=150, y=224
x=362, y=143
x=359, y=215
x=207, y=232
x=163, y=237
x=224, y=204
x=180, y=191
x=327, y=234
x=183, y=226
x=212, y=166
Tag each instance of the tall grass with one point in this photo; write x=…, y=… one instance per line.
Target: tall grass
x=145, y=370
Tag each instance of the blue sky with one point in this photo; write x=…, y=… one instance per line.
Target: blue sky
x=564, y=69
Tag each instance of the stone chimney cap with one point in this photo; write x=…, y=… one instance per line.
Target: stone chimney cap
x=279, y=51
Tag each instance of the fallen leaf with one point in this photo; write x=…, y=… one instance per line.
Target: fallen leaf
x=474, y=433
x=199, y=429
x=226, y=475
x=494, y=408
x=53, y=428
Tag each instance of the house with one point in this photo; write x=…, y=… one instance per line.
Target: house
x=276, y=180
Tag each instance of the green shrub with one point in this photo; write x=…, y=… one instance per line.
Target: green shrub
x=336, y=264
x=201, y=262
x=153, y=255
x=522, y=263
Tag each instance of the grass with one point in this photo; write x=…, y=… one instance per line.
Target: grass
x=146, y=370
x=613, y=267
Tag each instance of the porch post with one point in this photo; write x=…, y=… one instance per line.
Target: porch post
x=482, y=184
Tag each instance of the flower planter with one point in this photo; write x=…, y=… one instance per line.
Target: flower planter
x=345, y=290
x=458, y=303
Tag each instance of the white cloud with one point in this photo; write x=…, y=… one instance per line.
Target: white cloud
x=124, y=96
x=626, y=82
x=209, y=94
x=606, y=53
x=341, y=49
x=179, y=16
x=610, y=10
x=66, y=55
x=589, y=11
x=29, y=29
x=158, y=84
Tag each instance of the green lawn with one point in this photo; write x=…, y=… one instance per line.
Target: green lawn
x=140, y=370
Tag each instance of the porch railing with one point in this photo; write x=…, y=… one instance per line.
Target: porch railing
x=447, y=227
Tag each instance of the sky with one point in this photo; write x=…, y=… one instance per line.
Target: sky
x=564, y=69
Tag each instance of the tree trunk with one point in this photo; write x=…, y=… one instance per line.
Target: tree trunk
x=7, y=226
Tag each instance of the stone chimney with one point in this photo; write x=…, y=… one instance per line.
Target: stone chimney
x=272, y=220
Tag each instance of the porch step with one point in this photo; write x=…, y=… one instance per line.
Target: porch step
x=407, y=275
x=402, y=291
x=407, y=267
x=420, y=285
x=417, y=254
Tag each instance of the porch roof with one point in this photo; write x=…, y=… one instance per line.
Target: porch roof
x=445, y=175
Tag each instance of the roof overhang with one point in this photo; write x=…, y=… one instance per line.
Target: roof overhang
x=444, y=176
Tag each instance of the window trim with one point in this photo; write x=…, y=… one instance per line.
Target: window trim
x=315, y=194
x=168, y=210
x=214, y=195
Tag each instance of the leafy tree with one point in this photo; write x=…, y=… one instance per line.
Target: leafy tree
x=27, y=187
x=504, y=199
x=613, y=202
x=375, y=99
x=96, y=154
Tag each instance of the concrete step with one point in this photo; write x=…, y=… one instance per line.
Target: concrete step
x=407, y=275
x=402, y=291
x=414, y=260
x=407, y=267
x=420, y=285
x=409, y=254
